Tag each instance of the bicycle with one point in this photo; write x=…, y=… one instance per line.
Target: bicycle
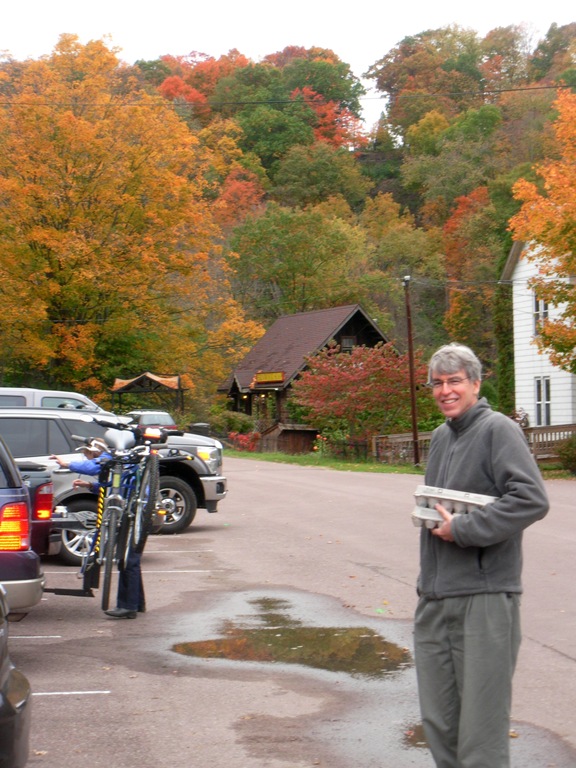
x=129, y=497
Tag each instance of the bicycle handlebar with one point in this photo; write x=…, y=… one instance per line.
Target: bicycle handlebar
x=81, y=439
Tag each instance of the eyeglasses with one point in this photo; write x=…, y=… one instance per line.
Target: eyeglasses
x=454, y=381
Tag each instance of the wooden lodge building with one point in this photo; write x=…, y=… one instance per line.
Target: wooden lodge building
x=260, y=384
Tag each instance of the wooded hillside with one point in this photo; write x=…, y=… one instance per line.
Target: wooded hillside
x=159, y=215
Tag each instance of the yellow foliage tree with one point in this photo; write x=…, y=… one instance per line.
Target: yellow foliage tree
x=110, y=258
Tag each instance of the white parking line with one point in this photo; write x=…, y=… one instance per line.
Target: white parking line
x=207, y=570
x=35, y=637
x=69, y=693
x=176, y=551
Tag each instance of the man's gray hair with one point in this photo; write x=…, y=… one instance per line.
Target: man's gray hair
x=453, y=358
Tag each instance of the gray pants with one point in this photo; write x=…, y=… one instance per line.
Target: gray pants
x=466, y=650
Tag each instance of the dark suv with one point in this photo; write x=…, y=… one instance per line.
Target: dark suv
x=21, y=574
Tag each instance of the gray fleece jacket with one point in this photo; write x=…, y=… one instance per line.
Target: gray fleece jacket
x=484, y=452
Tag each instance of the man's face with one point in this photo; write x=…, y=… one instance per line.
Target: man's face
x=454, y=393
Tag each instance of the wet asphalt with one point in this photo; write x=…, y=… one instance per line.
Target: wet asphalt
x=335, y=551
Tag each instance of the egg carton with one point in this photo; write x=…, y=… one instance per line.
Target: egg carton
x=455, y=502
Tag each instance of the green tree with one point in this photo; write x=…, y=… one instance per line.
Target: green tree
x=270, y=133
x=307, y=175
x=465, y=157
x=398, y=247
x=289, y=260
x=328, y=77
x=554, y=53
x=248, y=87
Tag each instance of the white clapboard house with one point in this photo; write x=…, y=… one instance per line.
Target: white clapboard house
x=545, y=392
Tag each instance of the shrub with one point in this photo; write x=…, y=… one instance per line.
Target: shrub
x=226, y=422
x=244, y=442
x=567, y=454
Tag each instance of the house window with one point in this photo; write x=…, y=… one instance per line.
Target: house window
x=347, y=343
x=543, y=401
x=540, y=313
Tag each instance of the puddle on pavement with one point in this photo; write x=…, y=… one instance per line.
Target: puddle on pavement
x=414, y=737
x=358, y=651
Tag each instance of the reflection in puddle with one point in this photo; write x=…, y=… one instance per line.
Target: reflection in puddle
x=414, y=737
x=359, y=651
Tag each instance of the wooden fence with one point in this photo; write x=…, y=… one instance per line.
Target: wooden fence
x=544, y=441
x=399, y=449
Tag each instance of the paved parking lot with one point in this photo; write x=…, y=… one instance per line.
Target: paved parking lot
x=340, y=550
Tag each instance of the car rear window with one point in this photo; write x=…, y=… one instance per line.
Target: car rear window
x=9, y=401
x=64, y=402
x=156, y=418
x=33, y=437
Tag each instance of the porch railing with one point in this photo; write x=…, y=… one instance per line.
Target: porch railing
x=544, y=441
x=399, y=449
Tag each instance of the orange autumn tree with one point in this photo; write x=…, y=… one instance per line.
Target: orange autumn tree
x=110, y=260
x=472, y=248
x=546, y=221
x=237, y=184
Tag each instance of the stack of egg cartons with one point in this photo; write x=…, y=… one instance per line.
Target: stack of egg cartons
x=455, y=502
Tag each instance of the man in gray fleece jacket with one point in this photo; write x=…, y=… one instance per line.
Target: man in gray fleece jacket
x=467, y=624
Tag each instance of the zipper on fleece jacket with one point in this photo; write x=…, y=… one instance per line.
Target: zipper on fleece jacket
x=446, y=465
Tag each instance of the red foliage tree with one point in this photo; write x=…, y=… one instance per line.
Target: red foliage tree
x=241, y=193
x=205, y=74
x=361, y=393
x=335, y=125
x=174, y=87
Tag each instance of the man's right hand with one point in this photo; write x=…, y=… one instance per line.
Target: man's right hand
x=444, y=530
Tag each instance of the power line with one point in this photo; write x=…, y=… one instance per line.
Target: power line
x=488, y=92
x=454, y=283
x=266, y=102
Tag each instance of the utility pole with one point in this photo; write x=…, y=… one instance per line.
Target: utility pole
x=406, y=284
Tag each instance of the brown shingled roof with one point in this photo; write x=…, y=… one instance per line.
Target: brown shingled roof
x=291, y=339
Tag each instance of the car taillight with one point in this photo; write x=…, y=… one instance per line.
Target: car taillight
x=43, y=501
x=14, y=527
x=152, y=434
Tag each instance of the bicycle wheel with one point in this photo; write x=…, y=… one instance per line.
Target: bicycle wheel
x=107, y=547
x=145, y=501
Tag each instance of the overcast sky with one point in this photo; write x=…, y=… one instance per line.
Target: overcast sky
x=359, y=33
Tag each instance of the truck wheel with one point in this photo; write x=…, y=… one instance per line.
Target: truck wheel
x=75, y=543
x=179, y=501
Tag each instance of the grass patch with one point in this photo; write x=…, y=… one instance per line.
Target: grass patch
x=555, y=471
x=316, y=460
x=549, y=472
